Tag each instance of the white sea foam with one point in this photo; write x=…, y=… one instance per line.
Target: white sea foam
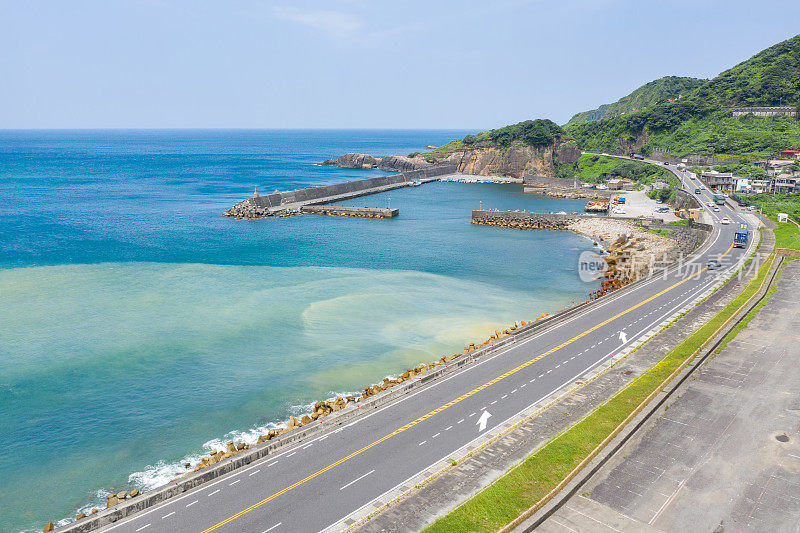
x=98, y=501
x=162, y=472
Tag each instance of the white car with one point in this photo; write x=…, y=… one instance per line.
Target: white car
x=716, y=209
x=710, y=204
x=725, y=220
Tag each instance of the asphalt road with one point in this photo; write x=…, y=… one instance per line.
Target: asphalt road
x=316, y=483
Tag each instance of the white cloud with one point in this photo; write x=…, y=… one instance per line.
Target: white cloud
x=334, y=23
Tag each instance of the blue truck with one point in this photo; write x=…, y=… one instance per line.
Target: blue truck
x=740, y=237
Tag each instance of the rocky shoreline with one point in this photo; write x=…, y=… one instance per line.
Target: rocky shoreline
x=389, y=163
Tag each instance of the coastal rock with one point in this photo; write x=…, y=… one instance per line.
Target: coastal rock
x=121, y=495
x=111, y=500
x=95, y=511
x=80, y=516
x=362, y=161
x=48, y=527
x=399, y=163
x=134, y=493
x=390, y=163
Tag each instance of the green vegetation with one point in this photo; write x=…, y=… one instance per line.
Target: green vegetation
x=529, y=482
x=777, y=203
x=690, y=129
x=665, y=195
x=539, y=132
x=698, y=124
x=598, y=169
x=769, y=78
x=738, y=170
x=656, y=92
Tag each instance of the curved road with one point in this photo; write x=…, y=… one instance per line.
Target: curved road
x=313, y=485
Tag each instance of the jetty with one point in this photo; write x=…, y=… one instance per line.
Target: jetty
x=348, y=211
x=292, y=202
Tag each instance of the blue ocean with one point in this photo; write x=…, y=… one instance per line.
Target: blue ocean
x=140, y=329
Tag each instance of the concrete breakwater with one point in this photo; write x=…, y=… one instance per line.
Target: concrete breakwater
x=347, y=211
x=291, y=202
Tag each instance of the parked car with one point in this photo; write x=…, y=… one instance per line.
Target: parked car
x=725, y=220
x=666, y=164
x=716, y=209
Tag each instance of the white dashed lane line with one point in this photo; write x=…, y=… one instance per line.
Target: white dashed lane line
x=234, y=483
x=357, y=479
x=473, y=414
x=494, y=402
x=291, y=454
x=421, y=443
x=190, y=504
x=308, y=446
x=216, y=491
x=141, y=528
x=448, y=428
x=273, y=527
x=255, y=472
x=436, y=435
x=167, y=515
x=273, y=463
x=460, y=420
x=504, y=397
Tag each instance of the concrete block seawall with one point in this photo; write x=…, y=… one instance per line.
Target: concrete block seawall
x=512, y=219
x=347, y=211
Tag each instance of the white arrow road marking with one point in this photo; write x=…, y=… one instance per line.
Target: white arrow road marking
x=481, y=423
x=622, y=337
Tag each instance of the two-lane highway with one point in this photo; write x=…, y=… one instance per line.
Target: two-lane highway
x=319, y=481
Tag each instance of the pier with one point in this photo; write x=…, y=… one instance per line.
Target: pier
x=292, y=202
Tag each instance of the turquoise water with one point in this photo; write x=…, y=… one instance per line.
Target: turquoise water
x=139, y=328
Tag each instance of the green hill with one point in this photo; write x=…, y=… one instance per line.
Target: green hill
x=656, y=92
x=698, y=122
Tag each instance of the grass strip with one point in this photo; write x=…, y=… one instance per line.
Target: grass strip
x=536, y=477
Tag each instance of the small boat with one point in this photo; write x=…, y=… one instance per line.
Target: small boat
x=415, y=183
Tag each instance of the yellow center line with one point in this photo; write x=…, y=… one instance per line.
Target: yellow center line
x=455, y=401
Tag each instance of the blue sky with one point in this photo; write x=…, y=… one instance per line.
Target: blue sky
x=356, y=63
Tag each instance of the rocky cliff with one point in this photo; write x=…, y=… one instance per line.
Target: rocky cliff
x=482, y=159
x=516, y=160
